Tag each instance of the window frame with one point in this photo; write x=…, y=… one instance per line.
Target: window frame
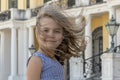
x=13, y=3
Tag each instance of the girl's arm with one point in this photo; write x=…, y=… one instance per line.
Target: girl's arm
x=34, y=68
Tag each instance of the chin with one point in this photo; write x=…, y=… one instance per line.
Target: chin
x=50, y=46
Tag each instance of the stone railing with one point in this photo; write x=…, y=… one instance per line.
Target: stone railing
x=6, y=15
x=15, y=14
x=18, y=14
x=35, y=11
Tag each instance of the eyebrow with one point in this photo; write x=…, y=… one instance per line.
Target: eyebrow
x=48, y=28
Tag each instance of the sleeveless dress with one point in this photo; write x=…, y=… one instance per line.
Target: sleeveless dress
x=51, y=70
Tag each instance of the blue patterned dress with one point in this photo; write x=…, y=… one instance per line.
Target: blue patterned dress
x=51, y=70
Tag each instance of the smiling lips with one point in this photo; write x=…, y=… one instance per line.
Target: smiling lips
x=51, y=41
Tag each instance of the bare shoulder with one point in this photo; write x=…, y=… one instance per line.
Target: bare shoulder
x=34, y=60
x=34, y=68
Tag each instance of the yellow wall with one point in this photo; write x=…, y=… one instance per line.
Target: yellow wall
x=21, y=4
x=40, y=2
x=4, y=5
x=101, y=21
x=105, y=33
x=36, y=3
x=33, y=3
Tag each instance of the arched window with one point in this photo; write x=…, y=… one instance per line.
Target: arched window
x=13, y=3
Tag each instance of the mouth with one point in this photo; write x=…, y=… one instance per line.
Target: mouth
x=50, y=41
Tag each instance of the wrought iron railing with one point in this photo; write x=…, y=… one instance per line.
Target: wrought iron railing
x=116, y=49
x=92, y=65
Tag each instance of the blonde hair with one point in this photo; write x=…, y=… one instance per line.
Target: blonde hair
x=73, y=41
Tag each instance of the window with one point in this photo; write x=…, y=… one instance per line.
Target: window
x=99, y=1
x=13, y=3
x=28, y=3
x=71, y=3
x=0, y=5
x=46, y=1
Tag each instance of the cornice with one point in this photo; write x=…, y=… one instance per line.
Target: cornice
x=31, y=22
x=6, y=24
x=17, y=23
x=74, y=12
x=114, y=3
x=95, y=9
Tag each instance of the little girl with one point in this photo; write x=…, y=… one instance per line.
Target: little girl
x=58, y=40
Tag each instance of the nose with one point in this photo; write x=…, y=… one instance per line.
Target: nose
x=51, y=34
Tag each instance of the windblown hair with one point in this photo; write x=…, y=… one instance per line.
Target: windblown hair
x=73, y=42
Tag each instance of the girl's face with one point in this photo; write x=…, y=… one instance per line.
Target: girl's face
x=51, y=34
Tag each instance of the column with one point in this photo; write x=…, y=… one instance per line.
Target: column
x=13, y=75
x=31, y=37
x=2, y=55
x=25, y=51
x=76, y=68
x=76, y=64
x=110, y=66
x=88, y=51
x=22, y=52
x=85, y=2
x=88, y=35
x=78, y=3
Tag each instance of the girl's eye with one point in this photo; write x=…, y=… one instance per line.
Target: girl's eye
x=57, y=31
x=45, y=30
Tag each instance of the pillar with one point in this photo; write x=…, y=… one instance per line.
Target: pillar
x=76, y=68
x=78, y=3
x=2, y=55
x=22, y=52
x=88, y=38
x=76, y=64
x=25, y=51
x=110, y=66
x=13, y=75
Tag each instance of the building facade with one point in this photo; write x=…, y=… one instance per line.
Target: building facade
x=17, y=22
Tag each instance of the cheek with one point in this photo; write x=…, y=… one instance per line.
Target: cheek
x=40, y=39
x=60, y=39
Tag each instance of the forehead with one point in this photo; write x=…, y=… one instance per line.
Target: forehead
x=48, y=23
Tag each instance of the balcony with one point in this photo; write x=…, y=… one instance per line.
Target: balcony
x=6, y=15
x=18, y=14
